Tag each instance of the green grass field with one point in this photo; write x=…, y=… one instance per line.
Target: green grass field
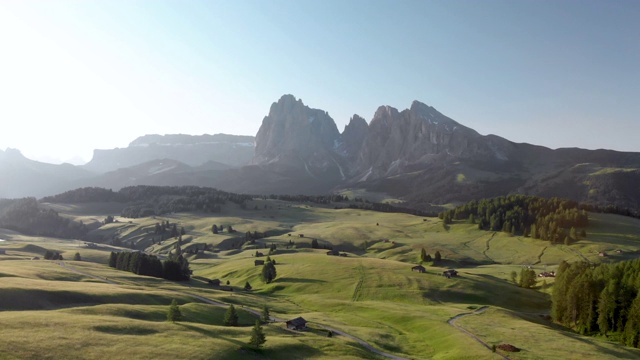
x=371, y=294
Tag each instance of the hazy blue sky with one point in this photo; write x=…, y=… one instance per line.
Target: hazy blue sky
x=79, y=75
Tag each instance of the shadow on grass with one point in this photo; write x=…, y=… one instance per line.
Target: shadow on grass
x=299, y=280
x=617, y=354
x=125, y=330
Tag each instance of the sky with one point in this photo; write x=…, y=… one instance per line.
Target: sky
x=82, y=75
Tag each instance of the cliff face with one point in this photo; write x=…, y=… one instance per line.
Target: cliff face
x=423, y=156
x=353, y=137
x=294, y=138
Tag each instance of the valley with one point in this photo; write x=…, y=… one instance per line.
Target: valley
x=85, y=309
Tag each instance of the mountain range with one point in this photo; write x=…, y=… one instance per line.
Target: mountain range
x=418, y=155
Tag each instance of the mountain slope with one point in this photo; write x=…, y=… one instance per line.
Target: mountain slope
x=21, y=177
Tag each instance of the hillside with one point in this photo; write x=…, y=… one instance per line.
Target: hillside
x=358, y=294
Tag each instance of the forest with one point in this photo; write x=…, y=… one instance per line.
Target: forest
x=174, y=268
x=602, y=299
x=554, y=219
x=25, y=216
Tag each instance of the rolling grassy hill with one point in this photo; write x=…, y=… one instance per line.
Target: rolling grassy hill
x=372, y=293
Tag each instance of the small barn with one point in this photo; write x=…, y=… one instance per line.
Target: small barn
x=297, y=324
x=419, y=269
x=214, y=282
x=258, y=262
x=450, y=273
x=259, y=254
x=547, y=274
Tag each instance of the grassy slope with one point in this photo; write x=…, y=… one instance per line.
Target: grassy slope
x=372, y=294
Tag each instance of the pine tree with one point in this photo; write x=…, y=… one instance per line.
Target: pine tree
x=527, y=278
x=231, y=316
x=423, y=255
x=437, y=257
x=247, y=286
x=174, y=312
x=514, y=277
x=257, y=336
x=77, y=257
x=268, y=272
x=265, y=317
x=631, y=333
x=573, y=234
x=112, y=259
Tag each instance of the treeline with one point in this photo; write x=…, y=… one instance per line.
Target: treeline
x=85, y=195
x=154, y=200
x=158, y=200
x=551, y=219
x=611, y=209
x=604, y=299
x=388, y=208
x=316, y=199
x=176, y=269
x=26, y=216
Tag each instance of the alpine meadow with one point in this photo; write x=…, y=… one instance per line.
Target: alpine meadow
x=460, y=181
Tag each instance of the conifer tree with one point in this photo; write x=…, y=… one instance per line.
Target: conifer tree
x=423, y=255
x=174, y=312
x=112, y=259
x=231, y=316
x=77, y=257
x=527, y=278
x=257, y=336
x=268, y=272
x=265, y=317
x=437, y=257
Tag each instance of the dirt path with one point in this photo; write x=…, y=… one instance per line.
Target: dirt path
x=540, y=256
x=480, y=310
x=487, y=246
x=257, y=313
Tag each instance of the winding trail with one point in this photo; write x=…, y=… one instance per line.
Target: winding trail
x=540, y=256
x=480, y=310
x=488, y=246
x=257, y=313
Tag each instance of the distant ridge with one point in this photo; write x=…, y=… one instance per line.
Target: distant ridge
x=193, y=150
x=418, y=155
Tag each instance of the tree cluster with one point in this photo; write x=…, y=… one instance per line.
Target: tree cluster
x=25, y=216
x=85, y=195
x=388, y=208
x=268, y=271
x=527, y=278
x=316, y=199
x=547, y=219
x=174, y=268
x=154, y=200
x=52, y=255
x=601, y=299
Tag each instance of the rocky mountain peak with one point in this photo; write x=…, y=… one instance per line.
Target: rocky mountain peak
x=292, y=128
x=353, y=136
